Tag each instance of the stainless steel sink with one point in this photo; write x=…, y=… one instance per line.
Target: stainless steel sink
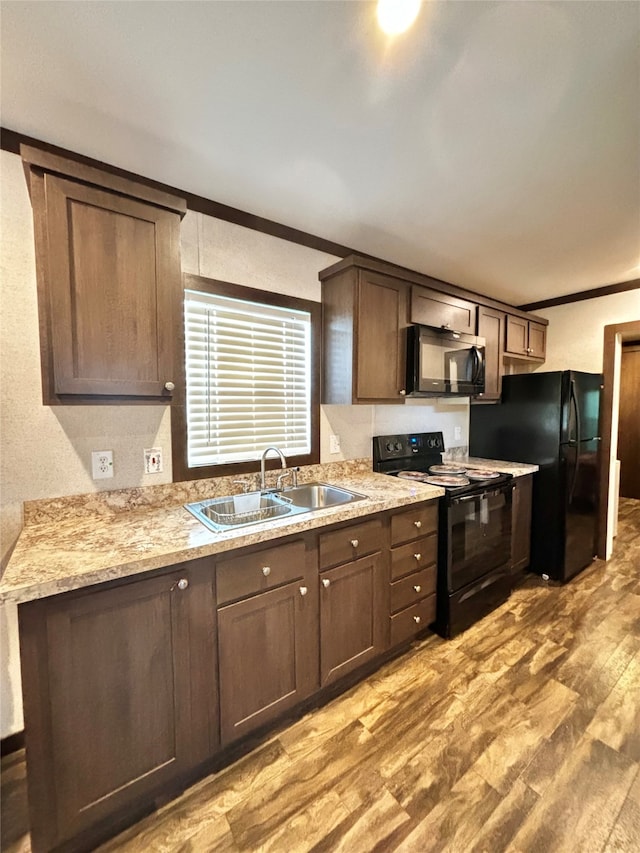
x=237, y=511
x=234, y=511
x=319, y=496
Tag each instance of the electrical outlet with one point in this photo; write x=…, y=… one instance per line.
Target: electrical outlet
x=457, y=433
x=153, y=460
x=101, y=464
x=334, y=443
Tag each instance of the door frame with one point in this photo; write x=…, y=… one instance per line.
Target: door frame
x=614, y=336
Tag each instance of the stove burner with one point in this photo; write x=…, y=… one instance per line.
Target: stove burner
x=481, y=474
x=447, y=468
x=448, y=481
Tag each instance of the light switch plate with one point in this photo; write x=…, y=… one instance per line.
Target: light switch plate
x=334, y=443
x=102, y=464
x=153, y=460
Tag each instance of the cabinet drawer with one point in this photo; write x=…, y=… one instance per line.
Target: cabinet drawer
x=349, y=543
x=414, y=619
x=413, y=588
x=247, y=574
x=414, y=555
x=413, y=523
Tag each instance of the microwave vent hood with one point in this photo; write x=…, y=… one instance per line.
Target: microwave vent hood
x=444, y=363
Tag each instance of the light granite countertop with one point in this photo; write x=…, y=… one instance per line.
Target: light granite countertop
x=76, y=541
x=71, y=543
x=516, y=469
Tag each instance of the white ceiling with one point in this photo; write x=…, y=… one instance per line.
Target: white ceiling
x=496, y=145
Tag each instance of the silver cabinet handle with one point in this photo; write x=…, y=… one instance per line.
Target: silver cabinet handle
x=326, y=582
x=416, y=619
x=417, y=587
x=266, y=571
x=418, y=557
x=418, y=524
x=169, y=386
x=183, y=583
x=355, y=543
x=303, y=590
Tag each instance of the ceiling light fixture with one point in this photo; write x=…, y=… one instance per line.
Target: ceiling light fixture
x=396, y=16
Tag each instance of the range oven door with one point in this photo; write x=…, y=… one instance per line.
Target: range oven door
x=478, y=535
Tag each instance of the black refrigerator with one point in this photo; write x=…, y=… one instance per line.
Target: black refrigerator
x=552, y=420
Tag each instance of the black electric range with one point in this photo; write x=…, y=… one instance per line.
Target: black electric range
x=474, y=528
x=416, y=454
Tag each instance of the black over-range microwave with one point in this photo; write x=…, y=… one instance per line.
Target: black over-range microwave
x=442, y=363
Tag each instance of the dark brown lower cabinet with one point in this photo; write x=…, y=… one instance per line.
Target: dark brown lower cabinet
x=353, y=614
x=268, y=656
x=521, y=524
x=120, y=697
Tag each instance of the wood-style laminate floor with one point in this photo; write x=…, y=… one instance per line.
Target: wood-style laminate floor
x=521, y=735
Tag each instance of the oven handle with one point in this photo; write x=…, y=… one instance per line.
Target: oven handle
x=507, y=487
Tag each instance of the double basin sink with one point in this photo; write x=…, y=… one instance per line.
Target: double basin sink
x=234, y=511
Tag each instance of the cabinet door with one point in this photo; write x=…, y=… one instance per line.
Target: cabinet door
x=130, y=676
x=431, y=308
x=521, y=524
x=113, y=274
x=353, y=611
x=266, y=654
x=517, y=335
x=491, y=328
x=381, y=338
x=537, y=340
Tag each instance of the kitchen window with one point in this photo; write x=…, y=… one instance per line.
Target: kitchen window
x=250, y=379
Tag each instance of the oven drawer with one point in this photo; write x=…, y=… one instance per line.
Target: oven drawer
x=413, y=523
x=248, y=574
x=349, y=543
x=415, y=555
x=414, y=619
x=413, y=588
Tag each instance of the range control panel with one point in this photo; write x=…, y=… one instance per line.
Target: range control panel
x=387, y=447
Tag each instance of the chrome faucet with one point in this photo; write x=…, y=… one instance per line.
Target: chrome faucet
x=262, y=461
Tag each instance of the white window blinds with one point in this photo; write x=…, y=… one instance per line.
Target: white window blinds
x=248, y=379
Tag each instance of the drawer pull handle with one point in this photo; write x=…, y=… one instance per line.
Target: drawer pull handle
x=416, y=619
x=303, y=590
x=183, y=583
x=418, y=557
x=355, y=543
x=266, y=571
x=418, y=588
x=326, y=582
x=418, y=524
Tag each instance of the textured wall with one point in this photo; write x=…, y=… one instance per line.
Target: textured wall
x=575, y=335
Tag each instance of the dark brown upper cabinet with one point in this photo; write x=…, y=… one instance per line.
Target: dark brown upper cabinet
x=491, y=327
x=525, y=338
x=109, y=282
x=364, y=321
x=432, y=308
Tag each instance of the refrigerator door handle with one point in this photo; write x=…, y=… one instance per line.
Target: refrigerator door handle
x=574, y=479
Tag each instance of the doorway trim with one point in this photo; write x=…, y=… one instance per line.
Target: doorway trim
x=614, y=336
